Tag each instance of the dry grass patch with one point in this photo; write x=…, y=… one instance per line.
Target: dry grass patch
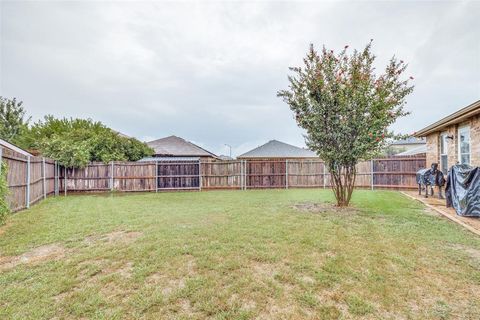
x=120, y=236
x=326, y=207
x=471, y=252
x=34, y=256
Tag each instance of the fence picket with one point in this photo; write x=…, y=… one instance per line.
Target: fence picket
x=24, y=172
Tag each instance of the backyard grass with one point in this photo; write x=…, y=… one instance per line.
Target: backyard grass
x=236, y=255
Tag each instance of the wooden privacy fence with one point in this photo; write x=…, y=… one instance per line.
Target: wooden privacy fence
x=388, y=173
x=31, y=179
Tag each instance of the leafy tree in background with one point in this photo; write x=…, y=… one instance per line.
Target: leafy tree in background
x=76, y=142
x=346, y=109
x=13, y=122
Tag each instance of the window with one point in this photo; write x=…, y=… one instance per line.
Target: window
x=464, y=145
x=444, y=153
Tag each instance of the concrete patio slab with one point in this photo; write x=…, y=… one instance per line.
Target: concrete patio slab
x=439, y=205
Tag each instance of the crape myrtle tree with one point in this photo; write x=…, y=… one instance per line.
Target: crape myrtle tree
x=346, y=109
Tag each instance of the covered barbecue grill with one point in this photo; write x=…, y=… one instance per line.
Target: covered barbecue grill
x=463, y=190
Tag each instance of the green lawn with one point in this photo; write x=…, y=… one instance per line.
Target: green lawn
x=236, y=255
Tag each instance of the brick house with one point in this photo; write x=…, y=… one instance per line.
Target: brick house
x=455, y=138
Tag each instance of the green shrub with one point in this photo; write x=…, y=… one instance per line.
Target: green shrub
x=4, y=209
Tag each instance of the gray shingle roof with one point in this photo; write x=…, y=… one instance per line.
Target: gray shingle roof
x=414, y=151
x=277, y=149
x=168, y=159
x=10, y=146
x=174, y=146
x=410, y=141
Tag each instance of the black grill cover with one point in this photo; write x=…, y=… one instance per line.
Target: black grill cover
x=425, y=177
x=422, y=175
x=463, y=190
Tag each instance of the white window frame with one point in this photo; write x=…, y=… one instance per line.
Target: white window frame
x=461, y=130
x=444, y=150
x=444, y=143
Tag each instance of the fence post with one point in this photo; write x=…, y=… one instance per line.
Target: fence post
x=286, y=173
x=371, y=173
x=156, y=176
x=1, y=154
x=199, y=175
x=56, y=174
x=65, y=180
x=111, y=176
x=245, y=174
x=242, y=182
x=27, y=194
x=44, y=179
x=324, y=173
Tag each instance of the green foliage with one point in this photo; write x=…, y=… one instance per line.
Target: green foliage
x=13, y=122
x=76, y=142
x=346, y=108
x=4, y=209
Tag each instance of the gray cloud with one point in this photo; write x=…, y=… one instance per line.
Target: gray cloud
x=209, y=72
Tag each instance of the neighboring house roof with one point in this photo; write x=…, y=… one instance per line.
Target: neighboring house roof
x=174, y=146
x=10, y=146
x=277, y=149
x=408, y=141
x=414, y=151
x=163, y=159
x=456, y=117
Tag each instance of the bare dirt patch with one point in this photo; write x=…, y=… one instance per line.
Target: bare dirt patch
x=121, y=236
x=324, y=207
x=36, y=255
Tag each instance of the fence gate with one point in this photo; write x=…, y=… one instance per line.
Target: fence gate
x=178, y=175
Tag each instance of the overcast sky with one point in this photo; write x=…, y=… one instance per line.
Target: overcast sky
x=209, y=72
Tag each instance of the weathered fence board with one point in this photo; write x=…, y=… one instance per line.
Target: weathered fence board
x=265, y=174
x=178, y=175
x=29, y=179
x=222, y=175
x=32, y=178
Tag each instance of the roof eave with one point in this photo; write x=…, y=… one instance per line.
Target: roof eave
x=455, y=118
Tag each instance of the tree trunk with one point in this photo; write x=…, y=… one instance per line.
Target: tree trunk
x=343, y=182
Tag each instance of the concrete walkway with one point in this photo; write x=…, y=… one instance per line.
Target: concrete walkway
x=439, y=205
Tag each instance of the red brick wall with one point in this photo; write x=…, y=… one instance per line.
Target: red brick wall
x=475, y=141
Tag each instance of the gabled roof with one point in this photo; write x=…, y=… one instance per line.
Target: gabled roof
x=456, y=117
x=174, y=146
x=409, y=141
x=278, y=149
x=10, y=146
